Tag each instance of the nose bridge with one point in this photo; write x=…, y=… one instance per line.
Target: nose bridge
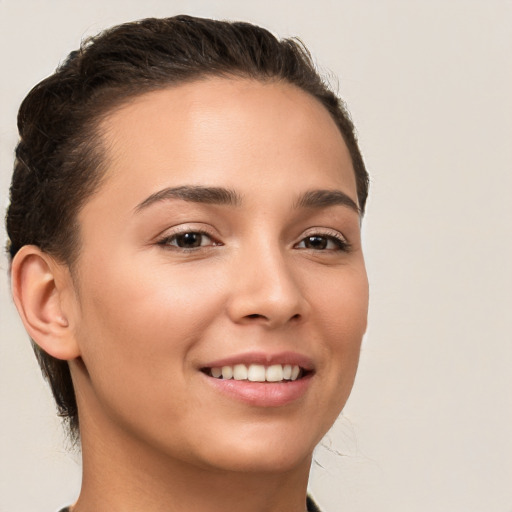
x=266, y=286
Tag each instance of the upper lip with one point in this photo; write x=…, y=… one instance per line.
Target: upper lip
x=265, y=359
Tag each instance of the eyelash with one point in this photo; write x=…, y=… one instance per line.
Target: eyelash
x=166, y=241
x=338, y=240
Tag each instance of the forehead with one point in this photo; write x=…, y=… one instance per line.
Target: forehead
x=241, y=133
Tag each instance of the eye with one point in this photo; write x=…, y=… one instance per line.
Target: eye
x=188, y=240
x=324, y=242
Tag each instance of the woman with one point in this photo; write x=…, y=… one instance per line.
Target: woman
x=186, y=256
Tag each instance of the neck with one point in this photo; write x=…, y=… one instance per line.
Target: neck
x=123, y=474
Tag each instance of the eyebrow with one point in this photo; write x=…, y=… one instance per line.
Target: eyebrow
x=326, y=198
x=194, y=194
x=223, y=196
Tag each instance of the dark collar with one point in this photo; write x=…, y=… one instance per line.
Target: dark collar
x=311, y=506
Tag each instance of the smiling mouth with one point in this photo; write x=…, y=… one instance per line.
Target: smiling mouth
x=258, y=372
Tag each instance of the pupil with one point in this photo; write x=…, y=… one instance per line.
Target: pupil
x=316, y=242
x=189, y=240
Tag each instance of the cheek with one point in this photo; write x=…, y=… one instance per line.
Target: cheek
x=143, y=320
x=138, y=335
x=341, y=321
x=141, y=297
x=342, y=306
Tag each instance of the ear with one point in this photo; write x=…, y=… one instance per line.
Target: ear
x=43, y=290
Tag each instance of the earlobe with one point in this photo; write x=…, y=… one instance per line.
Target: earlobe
x=39, y=285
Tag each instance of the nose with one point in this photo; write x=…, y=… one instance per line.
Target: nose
x=266, y=289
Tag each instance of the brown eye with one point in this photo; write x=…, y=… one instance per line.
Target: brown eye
x=188, y=240
x=321, y=242
x=315, y=242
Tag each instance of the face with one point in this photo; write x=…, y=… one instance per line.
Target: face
x=221, y=288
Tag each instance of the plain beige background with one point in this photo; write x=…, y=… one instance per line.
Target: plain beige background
x=428, y=427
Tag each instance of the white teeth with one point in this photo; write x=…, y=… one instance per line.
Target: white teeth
x=240, y=372
x=257, y=372
x=275, y=373
x=216, y=372
x=227, y=372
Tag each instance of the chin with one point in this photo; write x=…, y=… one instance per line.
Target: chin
x=247, y=461
x=261, y=451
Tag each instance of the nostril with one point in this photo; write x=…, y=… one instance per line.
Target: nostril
x=256, y=316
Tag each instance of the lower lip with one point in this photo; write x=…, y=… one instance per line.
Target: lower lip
x=262, y=394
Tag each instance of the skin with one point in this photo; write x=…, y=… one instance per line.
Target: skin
x=139, y=316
